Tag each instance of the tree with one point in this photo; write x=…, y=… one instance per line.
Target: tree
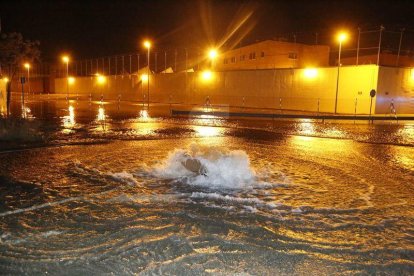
x=14, y=50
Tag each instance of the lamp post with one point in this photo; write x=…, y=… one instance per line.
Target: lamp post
x=27, y=66
x=341, y=37
x=147, y=44
x=65, y=59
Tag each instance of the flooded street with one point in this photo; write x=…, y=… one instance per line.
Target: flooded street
x=106, y=187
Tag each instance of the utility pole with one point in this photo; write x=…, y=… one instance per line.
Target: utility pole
x=399, y=47
x=379, y=44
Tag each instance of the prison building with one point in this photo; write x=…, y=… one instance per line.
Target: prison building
x=270, y=54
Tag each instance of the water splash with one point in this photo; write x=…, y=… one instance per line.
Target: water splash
x=216, y=168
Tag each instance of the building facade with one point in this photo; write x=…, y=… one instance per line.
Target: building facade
x=270, y=54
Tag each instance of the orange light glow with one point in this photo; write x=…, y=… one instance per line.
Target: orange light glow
x=27, y=65
x=342, y=36
x=206, y=75
x=212, y=53
x=147, y=44
x=65, y=59
x=101, y=79
x=144, y=77
x=71, y=80
x=310, y=73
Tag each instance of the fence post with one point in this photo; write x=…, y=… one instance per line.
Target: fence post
x=130, y=66
x=379, y=44
x=175, y=60
x=123, y=66
x=280, y=104
x=109, y=66
x=355, y=108
x=116, y=66
x=318, y=106
x=156, y=61
x=137, y=63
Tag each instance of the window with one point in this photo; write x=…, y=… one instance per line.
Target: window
x=252, y=55
x=293, y=55
x=262, y=54
x=225, y=61
x=242, y=57
x=233, y=60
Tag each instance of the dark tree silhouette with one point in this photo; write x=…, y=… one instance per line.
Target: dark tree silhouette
x=14, y=50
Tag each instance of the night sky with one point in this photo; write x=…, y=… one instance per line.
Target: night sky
x=99, y=28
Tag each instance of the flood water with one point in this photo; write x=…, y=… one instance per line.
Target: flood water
x=90, y=187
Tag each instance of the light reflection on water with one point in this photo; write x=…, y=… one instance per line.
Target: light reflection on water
x=101, y=114
x=68, y=121
x=207, y=131
x=306, y=127
x=403, y=157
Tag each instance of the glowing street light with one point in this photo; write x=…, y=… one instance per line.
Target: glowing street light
x=144, y=77
x=6, y=79
x=342, y=36
x=65, y=59
x=71, y=80
x=27, y=66
x=212, y=55
x=147, y=44
x=310, y=73
x=101, y=79
x=206, y=75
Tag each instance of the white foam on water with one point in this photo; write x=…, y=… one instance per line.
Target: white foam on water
x=250, y=204
x=51, y=233
x=222, y=169
x=124, y=177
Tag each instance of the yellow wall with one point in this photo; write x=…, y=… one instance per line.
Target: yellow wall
x=249, y=88
x=3, y=98
x=395, y=85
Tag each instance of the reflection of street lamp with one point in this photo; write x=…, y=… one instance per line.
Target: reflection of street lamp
x=27, y=66
x=147, y=44
x=65, y=59
x=341, y=37
x=212, y=55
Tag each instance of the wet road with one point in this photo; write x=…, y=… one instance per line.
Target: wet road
x=101, y=193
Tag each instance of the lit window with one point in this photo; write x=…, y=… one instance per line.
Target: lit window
x=233, y=60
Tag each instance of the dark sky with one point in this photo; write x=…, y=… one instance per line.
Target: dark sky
x=97, y=28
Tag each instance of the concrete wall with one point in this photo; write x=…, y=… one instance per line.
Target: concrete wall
x=37, y=85
x=395, y=85
x=293, y=89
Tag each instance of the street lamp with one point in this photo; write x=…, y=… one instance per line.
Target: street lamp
x=341, y=38
x=212, y=55
x=27, y=66
x=65, y=59
x=147, y=44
